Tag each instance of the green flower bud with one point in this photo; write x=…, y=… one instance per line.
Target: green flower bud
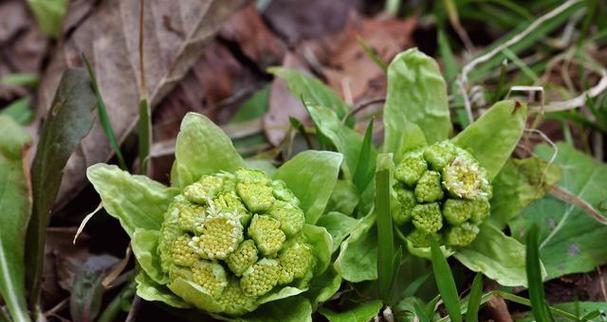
x=406, y=200
x=480, y=210
x=457, y=211
x=462, y=235
x=189, y=215
x=257, y=197
x=243, y=258
x=260, y=278
x=422, y=239
x=291, y=218
x=204, y=190
x=463, y=178
x=183, y=253
x=266, y=233
x=229, y=202
x=219, y=236
x=295, y=261
x=211, y=276
x=281, y=192
x=429, y=188
x=411, y=168
x=440, y=154
x=234, y=300
x=427, y=217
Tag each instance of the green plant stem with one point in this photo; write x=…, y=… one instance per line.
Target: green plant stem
x=385, y=232
x=114, y=308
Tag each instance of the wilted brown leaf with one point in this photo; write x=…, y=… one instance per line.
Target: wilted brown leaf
x=175, y=33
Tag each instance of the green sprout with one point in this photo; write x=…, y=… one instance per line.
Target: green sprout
x=451, y=195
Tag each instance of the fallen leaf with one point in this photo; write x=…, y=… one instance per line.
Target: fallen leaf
x=174, y=33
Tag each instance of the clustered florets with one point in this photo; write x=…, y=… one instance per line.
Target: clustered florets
x=237, y=236
x=443, y=194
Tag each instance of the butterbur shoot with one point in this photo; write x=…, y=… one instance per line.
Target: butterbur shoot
x=443, y=195
x=235, y=235
x=224, y=238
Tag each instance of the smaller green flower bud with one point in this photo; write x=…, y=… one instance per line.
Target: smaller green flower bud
x=457, y=211
x=422, y=239
x=429, y=187
x=440, y=154
x=190, y=215
x=427, y=217
x=281, y=192
x=406, y=201
x=234, y=300
x=411, y=168
x=252, y=176
x=203, y=190
x=211, y=276
x=480, y=210
x=260, y=278
x=257, y=197
x=295, y=261
x=266, y=233
x=243, y=258
x=229, y=202
x=183, y=253
x=219, y=236
x=462, y=235
x=291, y=218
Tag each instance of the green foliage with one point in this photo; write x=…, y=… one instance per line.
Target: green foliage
x=385, y=231
x=362, y=313
x=474, y=300
x=357, y=260
x=445, y=282
x=416, y=109
x=492, y=138
x=15, y=203
x=49, y=15
x=534, y=277
x=70, y=118
x=569, y=238
x=20, y=110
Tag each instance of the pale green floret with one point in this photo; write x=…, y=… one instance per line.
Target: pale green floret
x=406, y=200
x=190, y=215
x=257, y=197
x=480, y=210
x=266, y=233
x=291, y=218
x=183, y=253
x=295, y=261
x=229, y=202
x=427, y=217
x=204, y=190
x=211, y=276
x=462, y=235
x=463, y=179
x=243, y=258
x=411, y=168
x=440, y=154
x=429, y=187
x=281, y=192
x=252, y=176
x=219, y=236
x=422, y=239
x=234, y=300
x=457, y=211
x=260, y=278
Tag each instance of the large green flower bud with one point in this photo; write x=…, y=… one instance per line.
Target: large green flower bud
x=451, y=195
x=237, y=236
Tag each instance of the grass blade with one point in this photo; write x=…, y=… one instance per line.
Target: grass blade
x=445, y=282
x=420, y=311
x=145, y=135
x=103, y=116
x=474, y=301
x=373, y=54
x=534, y=277
x=364, y=168
x=385, y=238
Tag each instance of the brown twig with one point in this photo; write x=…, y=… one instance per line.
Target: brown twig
x=566, y=196
x=134, y=308
x=498, y=309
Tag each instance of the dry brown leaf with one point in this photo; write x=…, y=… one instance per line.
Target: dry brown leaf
x=175, y=33
x=348, y=69
x=283, y=105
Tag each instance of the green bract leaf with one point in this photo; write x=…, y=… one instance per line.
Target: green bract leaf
x=338, y=225
x=149, y=290
x=15, y=202
x=357, y=260
x=312, y=90
x=344, y=198
x=145, y=246
x=493, y=137
x=323, y=287
x=570, y=240
x=292, y=309
x=70, y=118
x=416, y=109
x=520, y=182
x=311, y=175
x=202, y=148
x=496, y=255
x=362, y=313
x=136, y=201
x=322, y=244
